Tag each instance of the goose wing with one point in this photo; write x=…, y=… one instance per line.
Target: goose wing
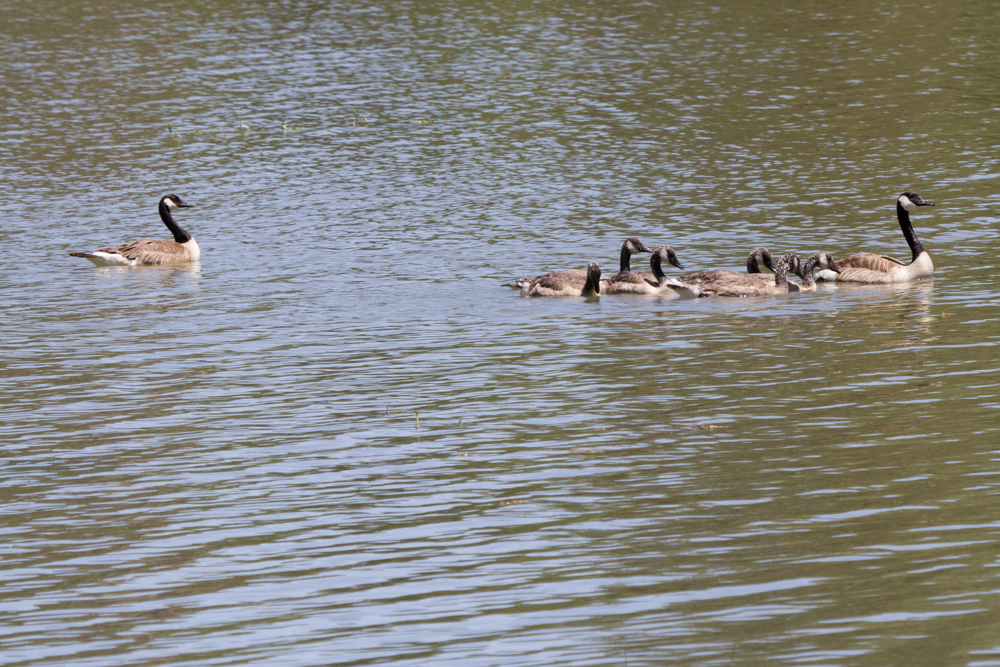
x=634, y=278
x=560, y=280
x=864, y=268
x=870, y=262
x=148, y=251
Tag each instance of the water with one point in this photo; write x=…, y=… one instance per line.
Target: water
x=338, y=440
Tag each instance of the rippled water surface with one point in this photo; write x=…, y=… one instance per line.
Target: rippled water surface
x=339, y=440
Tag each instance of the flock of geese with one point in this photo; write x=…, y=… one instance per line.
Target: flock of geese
x=861, y=268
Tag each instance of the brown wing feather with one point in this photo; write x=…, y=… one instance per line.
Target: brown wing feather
x=635, y=278
x=569, y=274
x=560, y=280
x=871, y=262
x=868, y=268
x=150, y=251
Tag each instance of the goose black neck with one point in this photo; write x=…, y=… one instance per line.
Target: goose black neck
x=655, y=264
x=593, y=284
x=625, y=265
x=911, y=236
x=180, y=235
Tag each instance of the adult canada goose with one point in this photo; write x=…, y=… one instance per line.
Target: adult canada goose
x=734, y=284
x=640, y=282
x=559, y=283
x=630, y=247
x=151, y=251
x=878, y=269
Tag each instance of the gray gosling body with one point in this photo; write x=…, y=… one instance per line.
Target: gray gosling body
x=881, y=269
x=559, y=283
x=734, y=284
x=629, y=248
x=756, y=257
x=640, y=282
x=183, y=247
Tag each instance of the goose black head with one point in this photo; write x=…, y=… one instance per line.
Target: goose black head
x=758, y=256
x=634, y=245
x=173, y=202
x=667, y=254
x=911, y=200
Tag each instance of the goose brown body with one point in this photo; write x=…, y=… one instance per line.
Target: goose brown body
x=566, y=283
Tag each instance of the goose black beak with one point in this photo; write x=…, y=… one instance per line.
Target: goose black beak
x=676, y=262
x=833, y=267
x=185, y=205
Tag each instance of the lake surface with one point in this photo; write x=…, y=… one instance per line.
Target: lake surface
x=339, y=440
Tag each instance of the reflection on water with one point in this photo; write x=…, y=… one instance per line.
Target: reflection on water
x=339, y=436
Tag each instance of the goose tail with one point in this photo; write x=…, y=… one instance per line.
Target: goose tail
x=681, y=288
x=103, y=258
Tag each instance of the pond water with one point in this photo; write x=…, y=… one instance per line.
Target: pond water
x=339, y=440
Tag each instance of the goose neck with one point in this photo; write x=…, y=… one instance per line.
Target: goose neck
x=808, y=279
x=655, y=263
x=180, y=235
x=911, y=236
x=625, y=264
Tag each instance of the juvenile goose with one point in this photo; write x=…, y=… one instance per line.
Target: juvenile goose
x=758, y=256
x=640, y=282
x=561, y=284
x=733, y=284
x=631, y=246
x=151, y=251
x=821, y=261
x=877, y=269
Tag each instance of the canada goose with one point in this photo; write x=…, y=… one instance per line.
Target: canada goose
x=734, y=284
x=640, y=282
x=877, y=269
x=631, y=246
x=151, y=251
x=819, y=261
x=559, y=283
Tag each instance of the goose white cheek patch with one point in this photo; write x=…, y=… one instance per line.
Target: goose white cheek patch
x=906, y=203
